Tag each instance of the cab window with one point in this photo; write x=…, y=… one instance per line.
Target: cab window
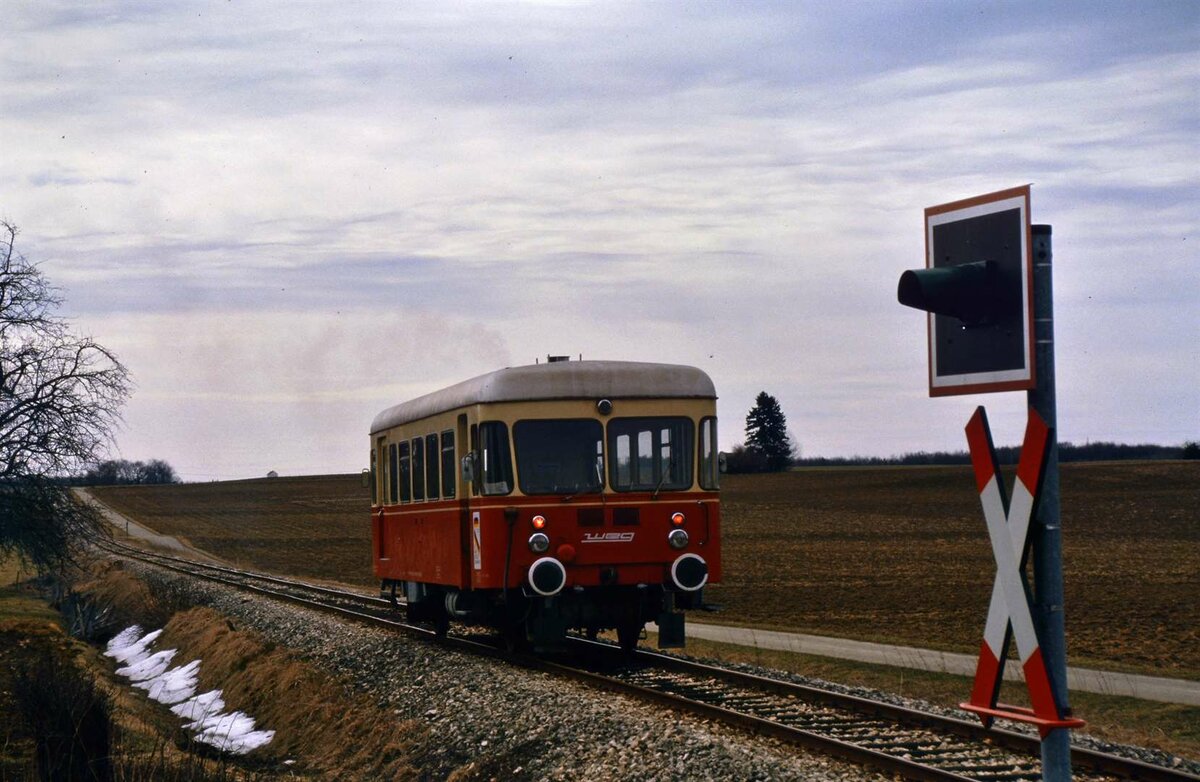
x=649, y=454
x=559, y=456
x=497, y=460
x=710, y=470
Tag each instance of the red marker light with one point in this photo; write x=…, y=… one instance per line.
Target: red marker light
x=677, y=518
x=539, y=522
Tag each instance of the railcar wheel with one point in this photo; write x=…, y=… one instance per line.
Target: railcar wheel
x=629, y=631
x=516, y=637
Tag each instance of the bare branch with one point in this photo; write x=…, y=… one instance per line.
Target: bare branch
x=60, y=399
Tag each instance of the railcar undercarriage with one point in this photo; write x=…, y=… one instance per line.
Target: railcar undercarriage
x=532, y=621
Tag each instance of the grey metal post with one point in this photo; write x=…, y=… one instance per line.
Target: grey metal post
x=1047, y=532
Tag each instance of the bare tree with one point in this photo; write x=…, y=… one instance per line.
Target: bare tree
x=43, y=524
x=60, y=397
x=121, y=471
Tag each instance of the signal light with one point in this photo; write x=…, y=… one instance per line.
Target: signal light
x=977, y=288
x=539, y=521
x=678, y=518
x=975, y=293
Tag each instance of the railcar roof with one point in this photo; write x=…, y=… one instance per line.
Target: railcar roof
x=557, y=380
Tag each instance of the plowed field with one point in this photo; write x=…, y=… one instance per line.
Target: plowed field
x=317, y=526
x=886, y=554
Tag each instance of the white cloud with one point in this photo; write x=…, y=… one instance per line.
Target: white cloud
x=263, y=213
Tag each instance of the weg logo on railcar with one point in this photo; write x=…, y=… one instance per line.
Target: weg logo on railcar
x=608, y=537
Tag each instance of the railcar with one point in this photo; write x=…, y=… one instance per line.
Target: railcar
x=537, y=499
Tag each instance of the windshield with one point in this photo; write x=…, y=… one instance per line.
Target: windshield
x=559, y=456
x=649, y=454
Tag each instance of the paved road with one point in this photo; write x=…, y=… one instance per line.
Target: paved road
x=140, y=532
x=1080, y=679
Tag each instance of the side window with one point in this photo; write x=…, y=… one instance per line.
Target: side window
x=405, y=473
x=393, y=473
x=431, y=466
x=710, y=472
x=474, y=451
x=448, y=467
x=374, y=480
x=496, y=458
x=418, y=469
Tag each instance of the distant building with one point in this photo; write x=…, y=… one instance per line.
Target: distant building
x=272, y=474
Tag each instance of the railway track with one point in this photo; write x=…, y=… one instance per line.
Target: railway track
x=913, y=744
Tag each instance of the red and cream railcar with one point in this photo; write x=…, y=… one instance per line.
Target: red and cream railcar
x=554, y=496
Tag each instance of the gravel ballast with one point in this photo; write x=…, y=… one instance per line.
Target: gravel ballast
x=489, y=720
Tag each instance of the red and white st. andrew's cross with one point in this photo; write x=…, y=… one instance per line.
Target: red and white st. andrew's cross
x=1009, y=612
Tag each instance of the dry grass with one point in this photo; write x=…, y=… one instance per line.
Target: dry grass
x=313, y=716
x=128, y=600
x=883, y=554
x=330, y=732
x=68, y=674
x=19, y=602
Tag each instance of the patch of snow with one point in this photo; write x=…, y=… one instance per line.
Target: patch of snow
x=197, y=708
x=148, y=667
x=128, y=651
x=123, y=639
x=175, y=685
x=233, y=732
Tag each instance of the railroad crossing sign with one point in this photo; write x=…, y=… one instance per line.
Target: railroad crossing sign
x=988, y=291
x=978, y=290
x=1009, y=612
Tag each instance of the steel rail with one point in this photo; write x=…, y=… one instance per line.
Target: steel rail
x=825, y=745
x=267, y=577
x=1092, y=760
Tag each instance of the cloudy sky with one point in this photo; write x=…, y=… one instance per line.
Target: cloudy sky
x=286, y=217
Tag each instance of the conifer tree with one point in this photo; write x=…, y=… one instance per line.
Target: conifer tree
x=767, y=435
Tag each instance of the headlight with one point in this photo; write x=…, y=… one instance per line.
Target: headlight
x=677, y=538
x=539, y=543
